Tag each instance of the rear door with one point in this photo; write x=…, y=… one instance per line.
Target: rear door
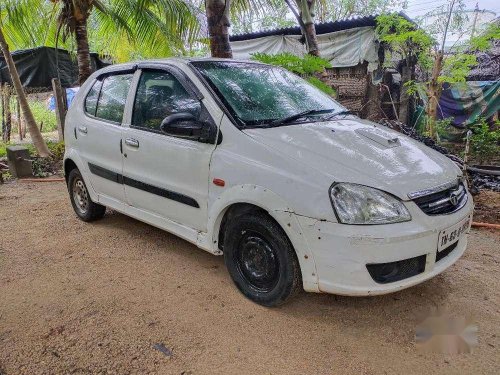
x=99, y=133
x=163, y=174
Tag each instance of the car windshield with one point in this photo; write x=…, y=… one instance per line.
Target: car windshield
x=260, y=95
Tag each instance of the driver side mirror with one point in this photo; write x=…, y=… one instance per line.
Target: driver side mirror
x=186, y=125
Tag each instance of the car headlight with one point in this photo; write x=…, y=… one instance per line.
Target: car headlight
x=359, y=204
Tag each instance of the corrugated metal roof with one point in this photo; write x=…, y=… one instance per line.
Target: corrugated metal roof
x=321, y=28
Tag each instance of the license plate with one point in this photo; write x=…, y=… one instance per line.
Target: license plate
x=452, y=234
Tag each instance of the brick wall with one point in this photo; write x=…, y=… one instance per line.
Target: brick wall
x=354, y=91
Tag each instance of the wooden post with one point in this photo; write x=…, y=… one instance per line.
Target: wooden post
x=404, y=98
x=19, y=119
x=61, y=106
x=8, y=115
x=2, y=102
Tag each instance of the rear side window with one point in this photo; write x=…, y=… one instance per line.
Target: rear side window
x=92, y=97
x=106, y=99
x=111, y=103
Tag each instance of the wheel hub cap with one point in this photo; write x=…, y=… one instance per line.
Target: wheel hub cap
x=80, y=196
x=258, y=262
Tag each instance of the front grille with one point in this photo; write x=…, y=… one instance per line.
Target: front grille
x=443, y=202
x=384, y=273
x=445, y=252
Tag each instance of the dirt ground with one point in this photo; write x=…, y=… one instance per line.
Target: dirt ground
x=78, y=298
x=487, y=207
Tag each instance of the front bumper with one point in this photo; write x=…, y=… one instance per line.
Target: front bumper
x=341, y=252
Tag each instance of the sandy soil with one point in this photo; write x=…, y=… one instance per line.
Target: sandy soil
x=79, y=298
x=487, y=207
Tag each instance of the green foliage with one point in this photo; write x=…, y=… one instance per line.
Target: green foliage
x=57, y=150
x=42, y=114
x=482, y=42
x=321, y=85
x=485, y=141
x=456, y=67
x=411, y=87
x=404, y=38
x=3, y=149
x=299, y=65
x=443, y=126
x=125, y=29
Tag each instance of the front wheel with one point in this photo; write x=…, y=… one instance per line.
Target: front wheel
x=261, y=260
x=80, y=198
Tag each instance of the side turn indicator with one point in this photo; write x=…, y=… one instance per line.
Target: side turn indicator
x=219, y=182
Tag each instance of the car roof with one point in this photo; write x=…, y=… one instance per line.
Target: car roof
x=168, y=61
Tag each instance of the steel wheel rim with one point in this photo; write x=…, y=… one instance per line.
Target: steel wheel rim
x=80, y=196
x=257, y=261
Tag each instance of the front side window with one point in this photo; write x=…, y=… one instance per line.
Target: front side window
x=258, y=94
x=111, y=102
x=160, y=94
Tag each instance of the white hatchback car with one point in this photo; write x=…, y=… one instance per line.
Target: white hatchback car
x=250, y=161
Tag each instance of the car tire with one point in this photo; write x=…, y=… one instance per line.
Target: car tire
x=84, y=208
x=261, y=260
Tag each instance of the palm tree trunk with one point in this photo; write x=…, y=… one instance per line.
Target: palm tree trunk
x=311, y=40
x=304, y=16
x=36, y=135
x=218, y=25
x=82, y=51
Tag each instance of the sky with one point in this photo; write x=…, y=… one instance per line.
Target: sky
x=491, y=10
x=420, y=7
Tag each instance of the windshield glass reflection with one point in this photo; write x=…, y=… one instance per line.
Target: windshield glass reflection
x=259, y=95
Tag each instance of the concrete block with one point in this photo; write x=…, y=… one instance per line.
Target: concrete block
x=19, y=161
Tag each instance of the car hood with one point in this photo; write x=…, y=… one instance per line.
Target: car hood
x=359, y=151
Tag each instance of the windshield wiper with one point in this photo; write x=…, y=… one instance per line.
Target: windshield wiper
x=340, y=113
x=288, y=119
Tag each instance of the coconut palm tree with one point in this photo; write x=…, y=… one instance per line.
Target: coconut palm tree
x=36, y=135
x=141, y=19
x=156, y=26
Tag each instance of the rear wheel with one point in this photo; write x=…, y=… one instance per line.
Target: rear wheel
x=80, y=198
x=261, y=259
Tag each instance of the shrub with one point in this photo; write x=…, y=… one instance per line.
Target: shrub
x=3, y=149
x=484, y=142
x=42, y=114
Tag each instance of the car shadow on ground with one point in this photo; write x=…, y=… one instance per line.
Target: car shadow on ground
x=384, y=311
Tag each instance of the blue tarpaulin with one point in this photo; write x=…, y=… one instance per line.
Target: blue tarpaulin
x=465, y=102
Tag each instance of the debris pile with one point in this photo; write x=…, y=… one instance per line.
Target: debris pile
x=478, y=179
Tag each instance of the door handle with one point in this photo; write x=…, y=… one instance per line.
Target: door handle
x=82, y=129
x=132, y=142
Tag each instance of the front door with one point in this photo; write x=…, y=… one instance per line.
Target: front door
x=163, y=174
x=99, y=133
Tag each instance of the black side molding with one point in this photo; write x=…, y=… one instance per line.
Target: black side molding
x=120, y=179
x=106, y=173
